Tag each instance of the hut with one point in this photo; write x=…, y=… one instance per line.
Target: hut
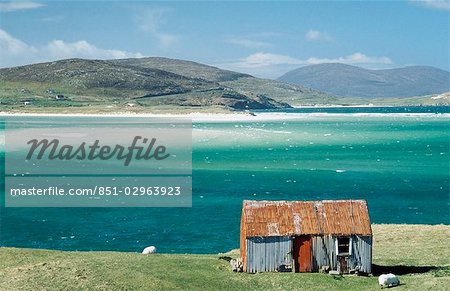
x=306, y=236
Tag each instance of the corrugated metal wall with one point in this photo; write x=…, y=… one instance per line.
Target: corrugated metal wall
x=324, y=252
x=266, y=254
x=361, y=253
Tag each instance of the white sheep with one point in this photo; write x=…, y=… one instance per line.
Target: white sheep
x=149, y=250
x=388, y=280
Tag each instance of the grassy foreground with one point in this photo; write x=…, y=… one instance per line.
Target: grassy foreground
x=419, y=253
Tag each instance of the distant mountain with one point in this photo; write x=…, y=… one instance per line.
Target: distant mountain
x=146, y=82
x=239, y=82
x=88, y=74
x=345, y=80
x=155, y=83
x=184, y=68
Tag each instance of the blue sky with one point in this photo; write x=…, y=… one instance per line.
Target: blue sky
x=265, y=39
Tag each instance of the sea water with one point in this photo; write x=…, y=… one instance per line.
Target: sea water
x=396, y=159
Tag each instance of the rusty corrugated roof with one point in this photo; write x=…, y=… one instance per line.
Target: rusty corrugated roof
x=275, y=218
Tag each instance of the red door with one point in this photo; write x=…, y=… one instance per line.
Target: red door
x=302, y=253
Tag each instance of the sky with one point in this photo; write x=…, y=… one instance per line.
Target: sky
x=265, y=39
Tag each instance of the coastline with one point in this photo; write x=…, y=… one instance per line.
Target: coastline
x=204, y=117
x=340, y=106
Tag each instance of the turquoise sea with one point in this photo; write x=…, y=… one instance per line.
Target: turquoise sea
x=395, y=158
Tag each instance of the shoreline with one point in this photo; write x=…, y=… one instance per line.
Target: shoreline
x=203, y=117
x=341, y=106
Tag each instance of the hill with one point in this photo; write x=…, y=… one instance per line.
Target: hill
x=345, y=80
x=241, y=83
x=145, y=83
x=418, y=253
x=96, y=82
x=184, y=68
x=158, y=85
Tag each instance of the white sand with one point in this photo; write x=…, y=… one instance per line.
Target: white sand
x=195, y=117
x=202, y=117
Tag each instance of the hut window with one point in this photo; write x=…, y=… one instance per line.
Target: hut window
x=343, y=245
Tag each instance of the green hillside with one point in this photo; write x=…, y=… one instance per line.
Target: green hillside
x=158, y=85
x=418, y=253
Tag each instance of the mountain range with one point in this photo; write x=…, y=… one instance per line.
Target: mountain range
x=351, y=81
x=148, y=82
x=157, y=83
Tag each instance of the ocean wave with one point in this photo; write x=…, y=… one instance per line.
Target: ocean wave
x=269, y=130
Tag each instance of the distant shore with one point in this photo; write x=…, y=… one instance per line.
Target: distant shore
x=244, y=116
x=340, y=106
x=194, y=116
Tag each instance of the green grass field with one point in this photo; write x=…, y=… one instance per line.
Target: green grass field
x=39, y=97
x=419, y=253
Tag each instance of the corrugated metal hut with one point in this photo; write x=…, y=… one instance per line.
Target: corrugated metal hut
x=306, y=236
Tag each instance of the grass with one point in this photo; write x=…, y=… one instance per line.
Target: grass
x=40, y=98
x=421, y=250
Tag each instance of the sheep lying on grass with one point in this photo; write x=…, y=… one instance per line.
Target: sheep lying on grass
x=388, y=280
x=149, y=250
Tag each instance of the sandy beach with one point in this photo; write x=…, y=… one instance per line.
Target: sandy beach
x=202, y=117
x=195, y=116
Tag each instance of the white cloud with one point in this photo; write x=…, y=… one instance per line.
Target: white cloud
x=262, y=59
x=12, y=45
x=263, y=64
x=82, y=49
x=56, y=18
x=356, y=58
x=151, y=20
x=269, y=65
x=166, y=39
x=18, y=5
x=14, y=52
x=248, y=43
x=315, y=35
x=435, y=4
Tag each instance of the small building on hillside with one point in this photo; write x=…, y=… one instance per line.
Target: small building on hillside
x=306, y=236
